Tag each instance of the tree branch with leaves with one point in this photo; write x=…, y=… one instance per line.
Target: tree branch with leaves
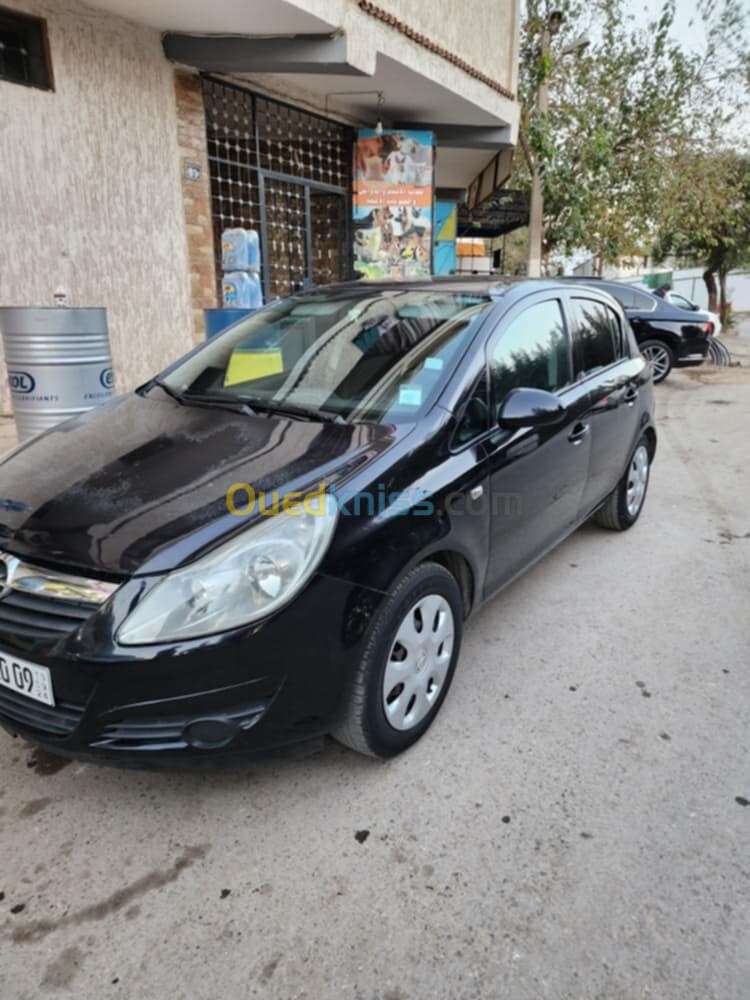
x=619, y=114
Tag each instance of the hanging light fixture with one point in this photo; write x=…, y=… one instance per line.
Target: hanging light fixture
x=351, y=93
x=379, y=122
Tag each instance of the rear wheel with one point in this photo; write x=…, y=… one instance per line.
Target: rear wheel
x=660, y=356
x=623, y=506
x=407, y=667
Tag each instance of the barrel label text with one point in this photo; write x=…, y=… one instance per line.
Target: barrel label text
x=21, y=383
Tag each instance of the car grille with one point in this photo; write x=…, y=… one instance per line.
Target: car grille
x=34, y=616
x=59, y=720
x=168, y=732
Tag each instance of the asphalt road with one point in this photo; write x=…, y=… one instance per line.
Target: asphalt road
x=575, y=825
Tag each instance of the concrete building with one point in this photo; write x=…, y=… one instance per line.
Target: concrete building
x=133, y=131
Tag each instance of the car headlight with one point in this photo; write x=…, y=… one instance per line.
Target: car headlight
x=237, y=583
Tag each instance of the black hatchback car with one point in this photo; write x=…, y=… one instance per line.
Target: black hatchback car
x=668, y=336
x=281, y=535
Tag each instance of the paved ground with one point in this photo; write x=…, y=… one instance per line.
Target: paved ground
x=574, y=826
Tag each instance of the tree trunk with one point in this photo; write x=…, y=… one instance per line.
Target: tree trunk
x=709, y=279
x=723, y=304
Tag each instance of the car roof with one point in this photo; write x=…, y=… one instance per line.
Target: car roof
x=661, y=304
x=597, y=282
x=611, y=286
x=493, y=285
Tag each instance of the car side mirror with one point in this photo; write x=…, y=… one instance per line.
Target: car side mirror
x=529, y=408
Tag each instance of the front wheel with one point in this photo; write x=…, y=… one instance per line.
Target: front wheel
x=659, y=356
x=623, y=506
x=408, y=664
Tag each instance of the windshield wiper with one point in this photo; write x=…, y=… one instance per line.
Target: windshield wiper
x=294, y=410
x=218, y=402
x=250, y=409
x=205, y=399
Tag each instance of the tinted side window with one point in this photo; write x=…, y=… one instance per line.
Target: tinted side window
x=531, y=352
x=594, y=344
x=625, y=296
x=614, y=322
x=475, y=419
x=642, y=300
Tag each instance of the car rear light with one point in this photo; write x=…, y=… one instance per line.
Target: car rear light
x=708, y=328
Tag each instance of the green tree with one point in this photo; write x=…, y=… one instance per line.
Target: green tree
x=706, y=216
x=618, y=111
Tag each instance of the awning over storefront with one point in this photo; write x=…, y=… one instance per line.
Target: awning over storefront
x=352, y=60
x=501, y=213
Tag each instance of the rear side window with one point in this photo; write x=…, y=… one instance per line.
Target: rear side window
x=595, y=336
x=531, y=352
x=624, y=295
x=642, y=300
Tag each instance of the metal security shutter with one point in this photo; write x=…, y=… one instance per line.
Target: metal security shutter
x=285, y=172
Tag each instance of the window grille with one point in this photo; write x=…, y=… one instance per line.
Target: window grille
x=286, y=173
x=24, y=53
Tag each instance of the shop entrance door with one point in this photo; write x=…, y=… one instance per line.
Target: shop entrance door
x=305, y=226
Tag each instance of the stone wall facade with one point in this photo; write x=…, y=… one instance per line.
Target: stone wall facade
x=90, y=187
x=196, y=197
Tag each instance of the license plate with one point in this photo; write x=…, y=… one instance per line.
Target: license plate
x=26, y=678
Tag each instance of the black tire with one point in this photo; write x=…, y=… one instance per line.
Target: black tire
x=614, y=513
x=664, y=351
x=363, y=725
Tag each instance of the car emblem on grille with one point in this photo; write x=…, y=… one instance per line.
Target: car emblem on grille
x=35, y=581
x=8, y=566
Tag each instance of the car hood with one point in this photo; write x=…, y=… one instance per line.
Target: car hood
x=139, y=486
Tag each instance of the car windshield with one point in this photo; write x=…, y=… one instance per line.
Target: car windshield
x=361, y=354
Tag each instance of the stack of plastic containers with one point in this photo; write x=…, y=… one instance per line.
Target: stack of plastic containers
x=240, y=261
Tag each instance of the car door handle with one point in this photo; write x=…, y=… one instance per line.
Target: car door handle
x=578, y=433
x=631, y=395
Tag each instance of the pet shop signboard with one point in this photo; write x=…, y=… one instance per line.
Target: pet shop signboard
x=393, y=198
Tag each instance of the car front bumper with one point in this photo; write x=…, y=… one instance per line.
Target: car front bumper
x=259, y=689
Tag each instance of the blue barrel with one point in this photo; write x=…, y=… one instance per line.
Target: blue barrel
x=219, y=319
